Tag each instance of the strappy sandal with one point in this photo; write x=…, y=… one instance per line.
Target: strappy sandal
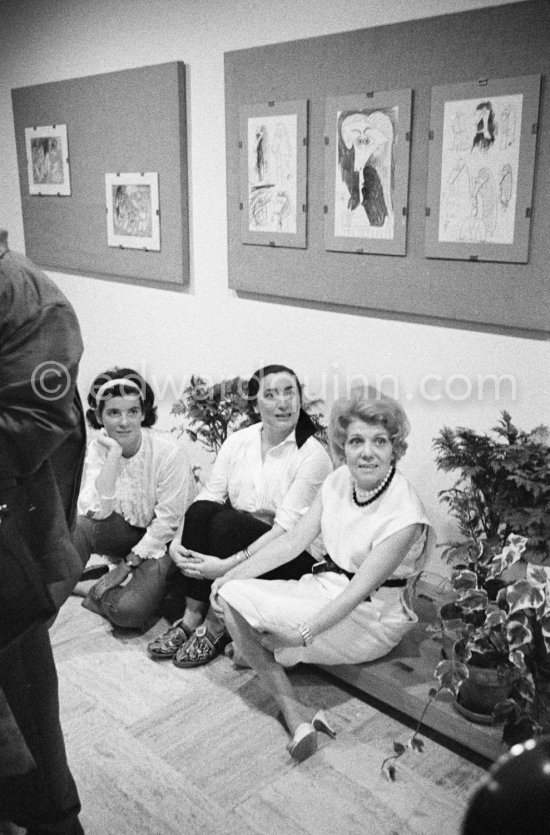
x=201, y=648
x=167, y=644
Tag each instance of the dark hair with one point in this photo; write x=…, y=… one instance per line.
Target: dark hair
x=384, y=411
x=305, y=426
x=128, y=383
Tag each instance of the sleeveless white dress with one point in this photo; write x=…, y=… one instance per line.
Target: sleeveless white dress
x=349, y=532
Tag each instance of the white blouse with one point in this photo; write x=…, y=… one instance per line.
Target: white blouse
x=152, y=490
x=278, y=490
x=350, y=532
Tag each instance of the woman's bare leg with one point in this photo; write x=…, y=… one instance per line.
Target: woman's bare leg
x=272, y=674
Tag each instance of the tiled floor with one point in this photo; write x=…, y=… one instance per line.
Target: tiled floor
x=157, y=750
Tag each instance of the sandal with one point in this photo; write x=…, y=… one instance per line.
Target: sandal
x=201, y=648
x=167, y=644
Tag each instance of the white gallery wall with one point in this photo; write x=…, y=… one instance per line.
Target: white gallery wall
x=443, y=375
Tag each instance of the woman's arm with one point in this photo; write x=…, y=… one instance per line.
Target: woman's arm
x=205, y=566
x=96, y=498
x=313, y=468
x=171, y=494
x=375, y=570
x=280, y=549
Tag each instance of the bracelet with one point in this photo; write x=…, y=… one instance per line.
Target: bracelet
x=305, y=632
x=108, y=498
x=243, y=555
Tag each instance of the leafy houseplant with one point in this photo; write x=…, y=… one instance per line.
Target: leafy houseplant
x=501, y=615
x=505, y=628
x=501, y=501
x=503, y=488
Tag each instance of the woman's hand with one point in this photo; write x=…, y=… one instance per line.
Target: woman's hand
x=215, y=603
x=110, y=444
x=194, y=564
x=283, y=636
x=110, y=580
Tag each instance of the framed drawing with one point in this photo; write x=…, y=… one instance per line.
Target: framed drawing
x=481, y=164
x=273, y=172
x=133, y=214
x=367, y=149
x=48, y=160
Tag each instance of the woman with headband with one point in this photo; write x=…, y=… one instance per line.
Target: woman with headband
x=133, y=497
x=263, y=480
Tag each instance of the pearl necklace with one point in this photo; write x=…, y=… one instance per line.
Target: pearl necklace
x=364, y=497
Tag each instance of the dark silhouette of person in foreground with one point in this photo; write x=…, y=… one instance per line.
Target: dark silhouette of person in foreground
x=42, y=442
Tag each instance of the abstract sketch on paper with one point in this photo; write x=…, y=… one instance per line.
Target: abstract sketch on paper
x=133, y=210
x=365, y=172
x=48, y=160
x=479, y=169
x=272, y=173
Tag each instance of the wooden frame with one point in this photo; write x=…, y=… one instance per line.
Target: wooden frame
x=48, y=160
x=481, y=166
x=133, y=212
x=273, y=173
x=367, y=150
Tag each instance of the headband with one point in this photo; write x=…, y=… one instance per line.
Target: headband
x=119, y=381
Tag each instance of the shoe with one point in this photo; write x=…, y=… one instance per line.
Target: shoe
x=167, y=644
x=200, y=648
x=94, y=572
x=235, y=656
x=320, y=723
x=304, y=742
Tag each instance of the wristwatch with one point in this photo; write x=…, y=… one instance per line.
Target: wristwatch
x=133, y=560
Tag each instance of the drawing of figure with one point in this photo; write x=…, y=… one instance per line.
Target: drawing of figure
x=457, y=197
x=365, y=148
x=282, y=209
x=282, y=151
x=485, y=127
x=506, y=185
x=47, y=160
x=484, y=192
x=258, y=203
x=132, y=211
x=507, y=126
x=482, y=224
x=261, y=138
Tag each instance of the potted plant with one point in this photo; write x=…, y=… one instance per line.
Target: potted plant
x=499, y=622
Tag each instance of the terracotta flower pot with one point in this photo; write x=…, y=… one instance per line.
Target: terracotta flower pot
x=484, y=688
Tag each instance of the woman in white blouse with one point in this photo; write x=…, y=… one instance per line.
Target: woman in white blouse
x=264, y=479
x=352, y=608
x=133, y=497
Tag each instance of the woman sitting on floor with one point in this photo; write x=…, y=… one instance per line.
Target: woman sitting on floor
x=264, y=479
x=353, y=609
x=133, y=497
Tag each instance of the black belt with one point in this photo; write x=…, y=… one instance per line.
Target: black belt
x=328, y=564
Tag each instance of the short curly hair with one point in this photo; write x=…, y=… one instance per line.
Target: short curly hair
x=120, y=389
x=380, y=410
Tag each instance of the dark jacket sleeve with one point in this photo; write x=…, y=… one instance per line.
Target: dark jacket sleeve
x=38, y=368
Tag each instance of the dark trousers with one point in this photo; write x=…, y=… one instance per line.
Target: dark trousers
x=134, y=604
x=44, y=800
x=221, y=531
